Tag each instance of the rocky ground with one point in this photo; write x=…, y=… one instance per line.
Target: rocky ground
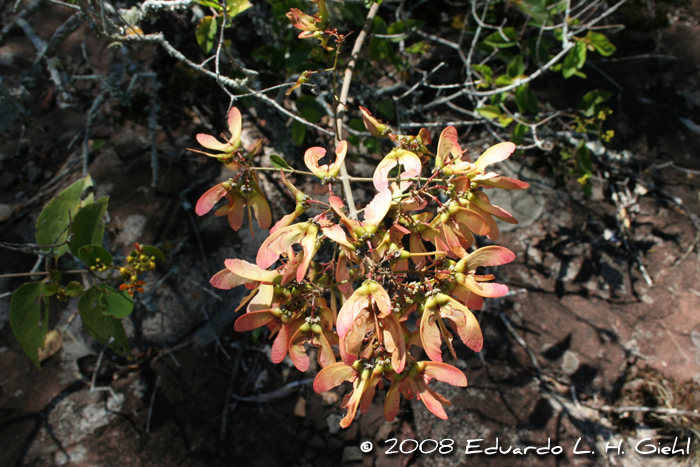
x=594, y=320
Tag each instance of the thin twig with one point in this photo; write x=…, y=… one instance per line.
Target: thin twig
x=227, y=405
x=660, y=410
x=342, y=103
x=153, y=398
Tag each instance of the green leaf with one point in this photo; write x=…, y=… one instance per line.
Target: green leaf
x=590, y=100
x=88, y=227
x=507, y=39
x=580, y=49
x=115, y=302
x=49, y=290
x=601, y=43
x=154, y=252
x=536, y=9
x=486, y=73
x=402, y=27
x=310, y=109
x=234, y=7
x=103, y=328
x=90, y=254
x=516, y=67
x=489, y=111
x=28, y=325
x=273, y=56
x=500, y=98
x=74, y=289
x=206, y=33
x=519, y=133
x=504, y=120
x=419, y=48
x=210, y=4
x=55, y=275
x=386, y=108
x=278, y=162
x=298, y=132
x=526, y=99
x=52, y=224
x=569, y=66
x=504, y=80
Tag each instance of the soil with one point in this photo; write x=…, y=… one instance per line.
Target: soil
x=199, y=394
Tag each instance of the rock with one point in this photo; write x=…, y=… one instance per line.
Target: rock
x=333, y=421
x=5, y=212
x=352, y=454
x=525, y=205
x=569, y=363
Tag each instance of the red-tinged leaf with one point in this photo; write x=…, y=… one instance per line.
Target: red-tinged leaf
x=281, y=344
x=488, y=256
x=430, y=335
x=214, y=144
x=469, y=330
x=370, y=390
x=311, y=158
x=416, y=246
x=482, y=201
x=424, y=136
x=351, y=343
x=325, y=352
x=351, y=309
x=279, y=242
x=261, y=209
x=374, y=126
x=290, y=273
x=334, y=232
x=445, y=373
x=313, y=155
x=474, y=301
x=392, y=400
x=235, y=215
x=432, y=403
x=497, y=181
x=343, y=274
x=301, y=20
x=226, y=280
x=409, y=160
x=493, y=233
x=378, y=207
x=210, y=198
x=494, y=154
x=254, y=320
x=308, y=243
x=250, y=271
x=263, y=299
x=235, y=123
x=380, y=297
x=394, y=342
x=209, y=154
x=448, y=144
x=247, y=298
x=472, y=220
x=453, y=242
x=333, y=375
x=284, y=222
x=353, y=403
x=297, y=352
x=485, y=289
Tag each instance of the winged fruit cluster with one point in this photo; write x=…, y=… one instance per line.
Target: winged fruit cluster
x=374, y=287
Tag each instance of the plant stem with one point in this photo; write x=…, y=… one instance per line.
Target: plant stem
x=342, y=103
x=40, y=273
